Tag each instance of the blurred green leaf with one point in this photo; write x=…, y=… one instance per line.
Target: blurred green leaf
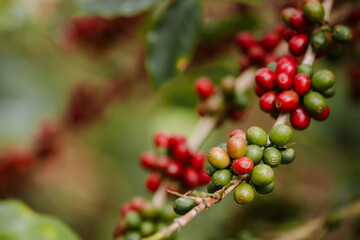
x=17, y=221
x=171, y=41
x=250, y=2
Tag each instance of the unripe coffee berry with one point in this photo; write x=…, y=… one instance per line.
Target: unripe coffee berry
x=256, y=135
x=255, y=153
x=287, y=155
x=214, y=105
x=286, y=65
x=314, y=103
x=319, y=41
x=211, y=187
x=153, y=181
x=283, y=81
x=322, y=116
x=266, y=189
x=242, y=165
x=302, y=83
x=236, y=146
x=272, y=157
x=314, y=11
x=241, y=100
x=238, y=132
x=300, y=119
x=221, y=177
x=147, y=228
x=218, y=158
x=305, y=69
x=328, y=93
x=267, y=102
x=132, y=235
x=298, y=44
x=322, y=80
x=204, y=87
x=342, y=33
x=244, y=193
x=265, y=78
x=287, y=101
x=183, y=205
x=280, y=135
x=132, y=220
x=262, y=175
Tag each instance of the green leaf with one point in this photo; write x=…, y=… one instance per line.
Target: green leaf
x=118, y=7
x=250, y=2
x=17, y=221
x=172, y=39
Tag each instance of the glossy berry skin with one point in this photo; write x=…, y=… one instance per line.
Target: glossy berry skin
x=300, y=119
x=259, y=90
x=183, y=205
x=211, y=188
x=272, y=157
x=283, y=81
x=236, y=146
x=244, y=193
x=181, y=153
x=153, y=181
x=287, y=13
x=305, y=69
x=280, y=135
x=302, y=84
x=198, y=160
x=174, y=170
x=245, y=40
x=322, y=80
x=266, y=189
x=299, y=22
x=221, y=177
x=286, y=65
x=270, y=41
x=328, y=93
x=322, y=116
x=161, y=140
x=342, y=33
x=210, y=170
x=148, y=160
x=287, y=155
x=262, y=175
x=255, y=153
x=256, y=135
x=265, y=78
x=243, y=165
x=204, y=87
x=314, y=11
x=218, y=158
x=238, y=132
x=267, y=102
x=319, y=41
x=287, y=101
x=191, y=177
x=298, y=44
x=314, y=103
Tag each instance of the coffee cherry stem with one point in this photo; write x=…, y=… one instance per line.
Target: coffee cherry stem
x=159, y=198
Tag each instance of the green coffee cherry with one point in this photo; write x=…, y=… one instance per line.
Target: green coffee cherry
x=223, y=146
x=218, y=158
x=167, y=212
x=322, y=80
x=244, y=193
x=272, y=66
x=255, y=153
x=236, y=147
x=329, y=92
x=314, y=11
x=266, y=189
x=132, y=219
x=305, y=69
x=211, y=187
x=147, y=228
x=287, y=155
x=314, y=103
x=149, y=211
x=256, y=135
x=210, y=169
x=221, y=177
x=132, y=236
x=183, y=205
x=272, y=157
x=262, y=175
x=319, y=41
x=280, y=135
x=342, y=33
x=241, y=100
x=228, y=85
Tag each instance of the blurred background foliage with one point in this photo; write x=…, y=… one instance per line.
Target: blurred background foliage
x=97, y=168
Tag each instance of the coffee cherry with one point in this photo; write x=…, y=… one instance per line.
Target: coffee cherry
x=287, y=155
x=191, y=177
x=245, y=40
x=132, y=219
x=328, y=93
x=214, y=105
x=221, y=177
x=148, y=160
x=259, y=90
x=298, y=44
x=204, y=178
x=148, y=210
x=287, y=101
x=262, y=175
x=314, y=11
x=254, y=152
x=270, y=41
x=183, y=205
x=161, y=140
x=204, y=87
x=314, y=103
x=286, y=65
x=211, y=187
x=181, y=153
x=210, y=170
x=280, y=135
x=298, y=21
x=267, y=102
x=174, y=170
x=305, y=69
x=283, y=81
x=322, y=80
x=266, y=189
x=319, y=41
x=132, y=236
x=242, y=165
x=163, y=162
x=244, y=193
x=265, y=78
x=272, y=66
x=302, y=83
x=288, y=34
x=342, y=33
x=125, y=209
x=198, y=160
x=287, y=13
x=322, y=116
x=256, y=135
x=228, y=85
x=137, y=203
x=147, y=228
x=236, y=115
x=153, y=181
x=241, y=100
x=300, y=119
x=256, y=53
x=176, y=139
x=236, y=146
x=218, y=158
x=238, y=132
x=272, y=157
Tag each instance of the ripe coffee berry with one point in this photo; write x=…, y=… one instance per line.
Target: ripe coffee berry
x=198, y=160
x=322, y=116
x=256, y=135
x=153, y=181
x=245, y=40
x=244, y=193
x=265, y=78
x=176, y=139
x=191, y=177
x=270, y=41
x=298, y=44
x=287, y=101
x=204, y=177
x=174, y=170
x=272, y=157
x=161, y=140
x=286, y=65
x=302, y=84
x=259, y=90
x=238, y=132
x=262, y=175
x=181, y=153
x=204, y=87
x=299, y=22
x=267, y=102
x=148, y=160
x=283, y=81
x=300, y=119
x=218, y=158
x=243, y=165
x=236, y=146
x=256, y=53
x=287, y=13
x=163, y=162
x=280, y=135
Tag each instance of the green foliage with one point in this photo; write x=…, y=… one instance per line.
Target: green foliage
x=17, y=221
x=172, y=39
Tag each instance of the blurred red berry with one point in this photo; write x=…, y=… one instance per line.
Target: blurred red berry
x=174, y=170
x=270, y=41
x=161, y=140
x=245, y=40
x=191, y=177
x=204, y=87
x=148, y=160
x=198, y=160
x=153, y=181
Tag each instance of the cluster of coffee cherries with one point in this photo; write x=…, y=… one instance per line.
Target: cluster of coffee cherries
x=141, y=219
x=174, y=161
x=302, y=21
x=224, y=102
x=288, y=88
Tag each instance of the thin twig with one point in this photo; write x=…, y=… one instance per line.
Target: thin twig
x=159, y=198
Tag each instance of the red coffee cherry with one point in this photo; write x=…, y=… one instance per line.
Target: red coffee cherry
x=265, y=78
x=245, y=40
x=238, y=132
x=322, y=116
x=174, y=170
x=283, y=81
x=270, y=41
x=259, y=90
x=163, y=162
x=302, y=83
x=300, y=119
x=298, y=44
x=148, y=160
x=153, y=181
x=243, y=165
x=288, y=34
x=191, y=177
x=256, y=53
x=287, y=101
x=125, y=209
x=269, y=58
x=198, y=160
x=286, y=65
x=161, y=140
x=181, y=153
x=299, y=22
x=176, y=139
x=137, y=203
x=267, y=102
x=204, y=87
x=204, y=178
x=236, y=114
